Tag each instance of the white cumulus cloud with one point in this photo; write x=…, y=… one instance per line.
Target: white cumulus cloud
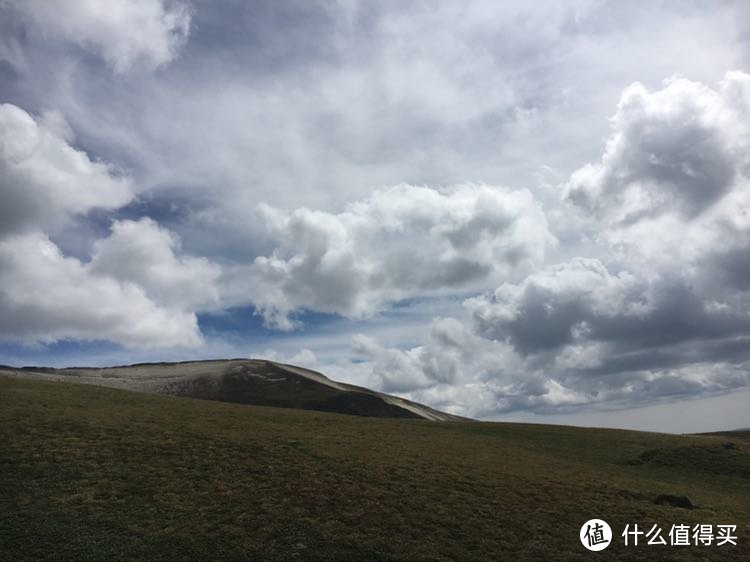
x=143, y=253
x=44, y=181
x=137, y=290
x=676, y=149
x=401, y=242
x=45, y=296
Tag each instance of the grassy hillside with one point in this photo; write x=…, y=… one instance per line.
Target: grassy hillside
x=91, y=473
x=280, y=388
x=241, y=381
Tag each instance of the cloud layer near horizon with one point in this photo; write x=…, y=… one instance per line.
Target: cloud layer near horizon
x=162, y=163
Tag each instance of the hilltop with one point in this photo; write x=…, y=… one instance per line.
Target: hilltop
x=242, y=381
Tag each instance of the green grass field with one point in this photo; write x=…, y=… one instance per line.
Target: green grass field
x=89, y=473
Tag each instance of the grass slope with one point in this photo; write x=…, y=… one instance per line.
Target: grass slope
x=241, y=381
x=279, y=388
x=92, y=473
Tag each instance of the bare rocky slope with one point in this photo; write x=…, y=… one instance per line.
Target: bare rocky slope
x=242, y=381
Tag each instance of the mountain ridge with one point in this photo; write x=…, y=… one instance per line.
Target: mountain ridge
x=245, y=381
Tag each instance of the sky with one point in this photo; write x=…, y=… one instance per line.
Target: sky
x=510, y=211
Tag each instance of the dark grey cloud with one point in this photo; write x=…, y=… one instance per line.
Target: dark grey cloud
x=266, y=37
x=733, y=266
x=583, y=300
